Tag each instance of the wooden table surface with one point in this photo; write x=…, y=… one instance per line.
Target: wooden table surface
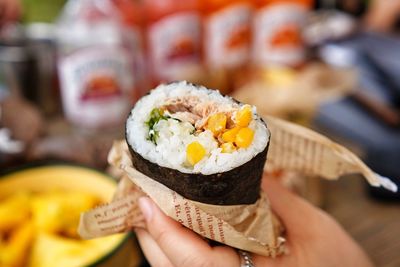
x=373, y=224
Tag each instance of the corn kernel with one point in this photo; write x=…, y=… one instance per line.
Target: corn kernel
x=230, y=135
x=244, y=116
x=227, y=147
x=244, y=137
x=216, y=123
x=195, y=152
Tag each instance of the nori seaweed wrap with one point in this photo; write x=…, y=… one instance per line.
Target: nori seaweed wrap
x=206, y=147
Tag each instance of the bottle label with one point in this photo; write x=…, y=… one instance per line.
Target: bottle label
x=174, y=44
x=227, y=36
x=277, y=35
x=133, y=41
x=95, y=82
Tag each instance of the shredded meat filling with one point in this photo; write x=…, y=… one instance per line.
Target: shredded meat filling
x=195, y=111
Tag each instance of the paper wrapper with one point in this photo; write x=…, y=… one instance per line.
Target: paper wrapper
x=249, y=227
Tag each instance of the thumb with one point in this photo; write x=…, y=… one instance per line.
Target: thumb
x=182, y=246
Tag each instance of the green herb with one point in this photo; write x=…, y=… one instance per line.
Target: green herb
x=155, y=116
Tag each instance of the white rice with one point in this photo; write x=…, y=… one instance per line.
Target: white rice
x=174, y=136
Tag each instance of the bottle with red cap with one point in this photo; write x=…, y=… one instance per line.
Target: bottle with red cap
x=130, y=15
x=277, y=29
x=226, y=32
x=100, y=61
x=173, y=35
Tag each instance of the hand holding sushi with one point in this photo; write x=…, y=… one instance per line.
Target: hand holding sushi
x=314, y=238
x=210, y=148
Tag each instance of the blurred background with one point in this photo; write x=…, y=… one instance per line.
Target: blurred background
x=70, y=71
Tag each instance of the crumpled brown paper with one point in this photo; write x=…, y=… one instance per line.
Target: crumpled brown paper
x=296, y=148
x=249, y=227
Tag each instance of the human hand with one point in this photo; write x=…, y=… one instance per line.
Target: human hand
x=10, y=11
x=314, y=239
x=381, y=15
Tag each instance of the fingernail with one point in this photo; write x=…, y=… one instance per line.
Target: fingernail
x=146, y=207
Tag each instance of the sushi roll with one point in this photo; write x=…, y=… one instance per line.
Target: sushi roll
x=205, y=146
